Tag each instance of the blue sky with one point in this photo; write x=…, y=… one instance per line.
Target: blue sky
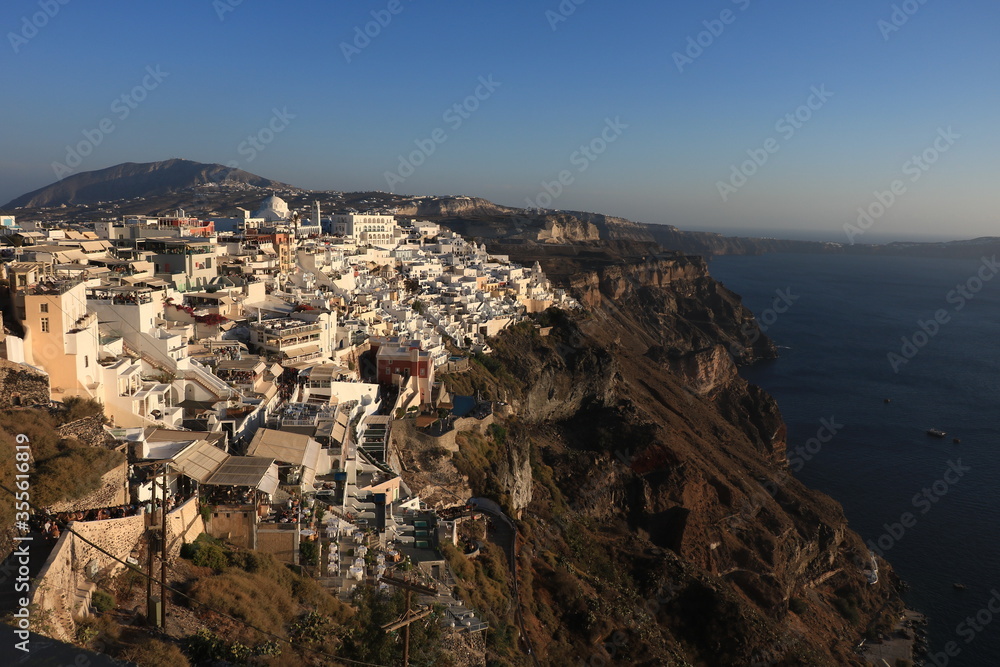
x=229, y=65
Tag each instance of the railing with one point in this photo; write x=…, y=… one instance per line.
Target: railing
x=286, y=331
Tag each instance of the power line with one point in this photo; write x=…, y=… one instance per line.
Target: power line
x=247, y=624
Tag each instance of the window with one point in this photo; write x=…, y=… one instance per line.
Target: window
x=86, y=361
x=45, y=325
x=44, y=307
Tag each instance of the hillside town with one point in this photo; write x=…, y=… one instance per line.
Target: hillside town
x=253, y=370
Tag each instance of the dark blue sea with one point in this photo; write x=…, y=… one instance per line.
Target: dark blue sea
x=846, y=315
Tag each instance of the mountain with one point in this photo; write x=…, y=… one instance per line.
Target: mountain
x=131, y=180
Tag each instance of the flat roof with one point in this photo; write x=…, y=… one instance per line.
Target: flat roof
x=199, y=460
x=247, y=471
x=286, y=447
x=248, y=364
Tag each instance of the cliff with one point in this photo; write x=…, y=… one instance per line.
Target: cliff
x=659, y=523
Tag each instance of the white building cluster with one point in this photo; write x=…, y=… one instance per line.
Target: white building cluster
x=171, y=322
x=264, y=358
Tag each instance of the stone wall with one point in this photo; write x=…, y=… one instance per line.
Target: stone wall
x=458, y=366
x=54, y=592
x=89, y=430
x=62, y=588
x=408, y=430
x=22, y=385
x=116, y=536
x=184, y=525
x=233, y=525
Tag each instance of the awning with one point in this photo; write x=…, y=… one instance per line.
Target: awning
x=199, y=460
x=252, y=471
x=303, y=352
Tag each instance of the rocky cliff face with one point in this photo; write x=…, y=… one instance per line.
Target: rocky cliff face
x=661, y=525
x=452, y=207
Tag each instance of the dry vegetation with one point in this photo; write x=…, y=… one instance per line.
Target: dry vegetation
x=63, y=468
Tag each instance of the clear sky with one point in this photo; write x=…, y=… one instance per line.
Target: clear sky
x=673, y=128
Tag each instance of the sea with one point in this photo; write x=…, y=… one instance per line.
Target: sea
x=852, y=332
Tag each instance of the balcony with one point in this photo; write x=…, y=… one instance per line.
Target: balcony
x=283, y=329
x=121, y=297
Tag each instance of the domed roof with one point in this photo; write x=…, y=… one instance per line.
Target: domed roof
x=272, y=208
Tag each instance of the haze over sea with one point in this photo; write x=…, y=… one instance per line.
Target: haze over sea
x=848, y=314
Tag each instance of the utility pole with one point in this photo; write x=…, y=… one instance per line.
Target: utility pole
x=163, y=552
x=149, y=548
x=410, y=587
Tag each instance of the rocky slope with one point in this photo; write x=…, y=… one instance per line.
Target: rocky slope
x=659, y=523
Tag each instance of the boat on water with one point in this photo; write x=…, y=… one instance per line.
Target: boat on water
x=937, y=433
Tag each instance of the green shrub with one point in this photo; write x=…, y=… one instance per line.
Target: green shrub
x=78, y=408
x=91, y=629
x=309, y=552
x=130, y=578
x=311, y=628
x=102, y=601
x=206, y=552
x=211, y=555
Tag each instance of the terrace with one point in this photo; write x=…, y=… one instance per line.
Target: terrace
x=123, y=296
x=52, y=287
x=285, y=328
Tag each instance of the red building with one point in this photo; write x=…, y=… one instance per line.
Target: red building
x=398, y=360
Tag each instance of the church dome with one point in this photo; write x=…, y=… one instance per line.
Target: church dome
x=273, y=208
